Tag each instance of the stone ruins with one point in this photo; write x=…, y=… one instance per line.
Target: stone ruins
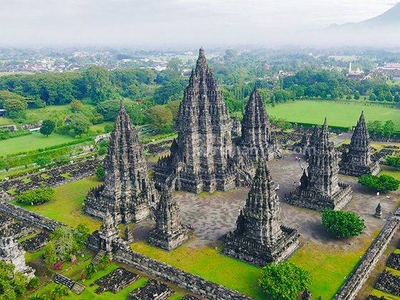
x=357, y=160
x=12, y=253
x=127, y=192
x=203, y=157
x=319, y=187
x=256, y=138
x=169, y=232
x=259, y=237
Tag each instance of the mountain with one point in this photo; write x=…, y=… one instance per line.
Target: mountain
x=379, y=32
x=389, y=19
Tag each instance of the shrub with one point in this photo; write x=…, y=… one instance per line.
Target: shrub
x=383, y=183
x=100, y=173
x=342, y=224
x=36, y=196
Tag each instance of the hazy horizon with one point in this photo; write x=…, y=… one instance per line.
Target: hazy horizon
x=171, y=23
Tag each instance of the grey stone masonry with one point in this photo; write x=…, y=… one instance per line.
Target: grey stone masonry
x=320, y=187
x=169, y=232
x=201, y=156
x=357, y=160
x=256, y=137
x=259, y=237
x=12, y=253
x=127, y=192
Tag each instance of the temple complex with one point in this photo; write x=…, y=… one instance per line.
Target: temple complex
x=169, y=232
x=259, y=237
x=202, y=156
x=256, y=138
x=357, y=160
x=319, y=186
x=12, y=253
x=127, y=192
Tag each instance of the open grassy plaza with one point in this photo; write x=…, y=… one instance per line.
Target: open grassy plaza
x=337, y=113
x=211, y=216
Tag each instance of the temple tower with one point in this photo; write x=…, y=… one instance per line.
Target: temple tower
x=200, y=156
x=259, y=237
x=127, y=192
x=169, y=232
x=256, y=138
x=357, y=160
x=319, y=187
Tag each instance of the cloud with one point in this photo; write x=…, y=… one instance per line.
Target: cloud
x=172, y=22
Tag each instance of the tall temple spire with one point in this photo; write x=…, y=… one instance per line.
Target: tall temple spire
x=169, y=232
x=320, y=187
x=256, y=130
x=201, y=155
x=357, y=160
x=127, y=192
x=259, y=237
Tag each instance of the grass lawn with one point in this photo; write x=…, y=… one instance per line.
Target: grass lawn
x=48, y=112
x=390, y=171
x=328, y=266
x=5, y=121
x=208, y=263
x=32, y=142
x=99, y=128
x=67, y=204
x=338, y=114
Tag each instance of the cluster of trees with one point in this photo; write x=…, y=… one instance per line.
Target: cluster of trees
x=14, y=284
x=342, y=224
x=331, y=85
x=379, y=129
x=35, y=196
x=65, y=242
x=382, y=183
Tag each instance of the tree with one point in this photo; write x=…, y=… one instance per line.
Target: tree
x=13, y=284
x=284, y=281
x=79, y=124
x=76, y=105
x=108, y=109
x=342, y=224
x=47, y=127
x=388, y=128
x=161, y=118
x=98, y=84
x=100, y=173
x=382, y=183
x=393, y=161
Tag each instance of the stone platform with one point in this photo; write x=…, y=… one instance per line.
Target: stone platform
x=316, y=201
x=241, y=248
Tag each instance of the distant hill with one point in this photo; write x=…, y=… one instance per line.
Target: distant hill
x=380, y=31
x=389, y=19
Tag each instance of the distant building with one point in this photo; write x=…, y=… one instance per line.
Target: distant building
x=2, y=112
x=356, y=74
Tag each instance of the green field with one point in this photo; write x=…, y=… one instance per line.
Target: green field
x=338, y=114
x=48, y=112
x=5, y=121
x=66, y=206
x=208, y=263
x=32, y=142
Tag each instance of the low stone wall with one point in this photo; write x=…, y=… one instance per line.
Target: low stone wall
x=361, y=273
x=187, y=281
x=52, y=177
x=28, y=216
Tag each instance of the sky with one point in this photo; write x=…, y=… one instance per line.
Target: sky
x=169, y=23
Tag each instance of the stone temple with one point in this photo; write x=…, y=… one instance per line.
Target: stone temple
x=259, y=237
x=169, y=232
x=202, y=157
x=319, y=186
x=357, y=160
x=256, y=139
x=127, y=193
x=12, y=253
